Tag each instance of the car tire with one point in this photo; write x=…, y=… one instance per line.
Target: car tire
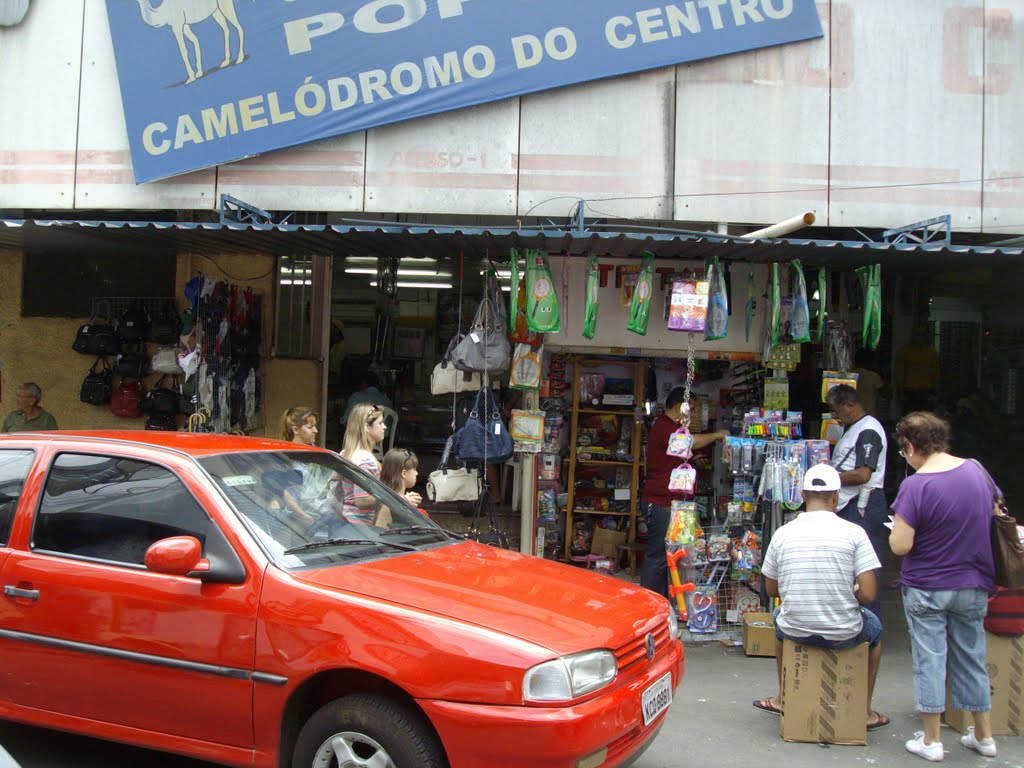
x=354, y=730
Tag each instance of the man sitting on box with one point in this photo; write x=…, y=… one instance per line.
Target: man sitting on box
x=823, y=568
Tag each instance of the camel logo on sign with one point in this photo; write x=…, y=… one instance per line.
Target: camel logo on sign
x=179, y=15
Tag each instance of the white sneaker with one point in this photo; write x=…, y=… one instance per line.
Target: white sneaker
x=931, y=751
x=986, y=747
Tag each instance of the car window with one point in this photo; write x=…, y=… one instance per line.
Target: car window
x=112, y=508
x=14, y=467
x=295, y=503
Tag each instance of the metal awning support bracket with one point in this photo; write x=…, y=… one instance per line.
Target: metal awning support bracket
x=937, y=231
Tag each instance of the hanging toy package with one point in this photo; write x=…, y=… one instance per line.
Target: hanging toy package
x=775, y=307
x=822, y=302
x=640, y=306
x=800, y=315
x=871, y=280
x=684, y=524
x=519, y=333
x=542, y=312
x=683, y=479
x=593, y=296
x=680, y=443
x=718, y=301
x=688, y=305
x=703, y=618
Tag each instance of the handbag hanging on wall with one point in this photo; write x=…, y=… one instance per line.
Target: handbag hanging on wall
x=97, y=337
x=453, y=484
x=493, y=535
x=484, y=349
x=447, y=379
x=1007, y=550
x=98, y=384
x=484, y=439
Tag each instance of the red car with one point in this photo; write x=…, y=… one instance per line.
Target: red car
x=211, y=595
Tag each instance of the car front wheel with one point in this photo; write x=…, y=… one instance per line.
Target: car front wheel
x=365, y=731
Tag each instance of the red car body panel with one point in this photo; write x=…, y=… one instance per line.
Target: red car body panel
x=454, y=628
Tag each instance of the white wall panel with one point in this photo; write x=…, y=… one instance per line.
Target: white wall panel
x=461, y=162
x=1004, y=115
x=39, y=62
x=906, y=141
x=324, y=175
x=103, y=174
x=751, y=141
x=608, y=142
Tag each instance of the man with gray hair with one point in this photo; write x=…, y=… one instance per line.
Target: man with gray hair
x=27, y=415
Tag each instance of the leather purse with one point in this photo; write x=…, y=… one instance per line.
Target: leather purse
x=485, y=348
x=453, y=484
x=97, y=337
x=97, y=385
x=493, y=536
x=1007, y=550
x=447, y=379
x=486, y=439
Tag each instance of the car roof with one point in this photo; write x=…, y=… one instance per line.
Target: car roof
x=195, y=444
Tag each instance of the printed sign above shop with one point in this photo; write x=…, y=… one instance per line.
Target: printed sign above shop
x=205, y=82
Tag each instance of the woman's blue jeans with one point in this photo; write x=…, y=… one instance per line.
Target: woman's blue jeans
x=947, y=633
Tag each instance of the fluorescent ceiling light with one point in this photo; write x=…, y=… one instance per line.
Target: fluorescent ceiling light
x=409, y=261
x=286, y=281
x=403, y=284
x=503, y=274
x=401, y=272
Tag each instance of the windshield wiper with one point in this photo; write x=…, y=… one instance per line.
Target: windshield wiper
x=336, y=542
x=415, y=529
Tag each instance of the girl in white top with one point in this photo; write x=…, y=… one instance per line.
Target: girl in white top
x=365, y=430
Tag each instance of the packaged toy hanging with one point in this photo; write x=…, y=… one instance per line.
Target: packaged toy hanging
x=800, y=316
x=718, y=301
x=519, y=332
x=683, y=479
x=542, y=311
x=775, y=307
x=871, y=282
x=680, y=443
x=688, y=305
x=683, y=526
x=592, y=299
x=703, y=614
x=640, y=306
x=822, y=302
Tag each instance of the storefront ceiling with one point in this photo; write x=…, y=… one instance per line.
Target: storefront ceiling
x=447, y=242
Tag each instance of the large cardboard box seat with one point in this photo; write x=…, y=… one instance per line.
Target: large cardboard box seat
x=824, y=694
x=758, y=634
x=1005, y=663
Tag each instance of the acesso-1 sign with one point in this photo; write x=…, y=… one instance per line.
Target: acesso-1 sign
x=209, y=81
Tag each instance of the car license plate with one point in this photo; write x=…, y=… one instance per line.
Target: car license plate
x=657, y=698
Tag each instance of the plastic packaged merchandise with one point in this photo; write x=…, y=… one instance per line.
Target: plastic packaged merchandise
x=592, y=299
x=640, y=306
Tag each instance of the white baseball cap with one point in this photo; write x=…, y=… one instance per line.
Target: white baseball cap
x=821, y=477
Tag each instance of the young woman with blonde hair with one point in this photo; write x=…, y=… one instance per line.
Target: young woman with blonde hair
x=365, y=430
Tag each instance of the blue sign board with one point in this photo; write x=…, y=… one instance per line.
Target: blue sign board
x=205, y=82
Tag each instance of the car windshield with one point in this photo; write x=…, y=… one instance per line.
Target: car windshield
x=314, y=509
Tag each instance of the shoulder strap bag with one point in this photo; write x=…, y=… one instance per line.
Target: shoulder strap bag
x=447, y=379
x=453, y=484
x=484, y=439
x=1007, y=550
x=485, y=348
x=98, y=384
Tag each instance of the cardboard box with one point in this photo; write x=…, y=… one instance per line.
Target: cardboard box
x=606, y=542
x=824, y=694
x=758, y=634
x=1005, y=663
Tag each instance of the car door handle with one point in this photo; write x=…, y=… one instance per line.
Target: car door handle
x=30, y=594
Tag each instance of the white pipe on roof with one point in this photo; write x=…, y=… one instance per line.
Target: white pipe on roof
x=783, y=227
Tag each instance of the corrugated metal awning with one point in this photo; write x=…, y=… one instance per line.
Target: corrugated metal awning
x=362, y=238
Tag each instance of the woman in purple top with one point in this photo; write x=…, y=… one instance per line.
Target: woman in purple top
x=942, y=523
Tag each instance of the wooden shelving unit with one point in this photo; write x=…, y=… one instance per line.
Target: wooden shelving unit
x=635, y=370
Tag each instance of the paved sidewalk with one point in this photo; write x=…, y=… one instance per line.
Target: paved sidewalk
x=712, y=721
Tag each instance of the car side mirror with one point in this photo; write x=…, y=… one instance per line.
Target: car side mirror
x=177, y=556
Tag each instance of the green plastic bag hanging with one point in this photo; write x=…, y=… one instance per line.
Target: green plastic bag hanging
x=640, y=306
x=718, y=300
x=593, y=298
x=822, y=302
x=542, y=312
x=513, y=258
x=871, y=282
x=775, y=307
x=800, y=317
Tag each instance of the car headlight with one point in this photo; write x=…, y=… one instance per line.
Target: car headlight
x=673, y=625
x=569, y=677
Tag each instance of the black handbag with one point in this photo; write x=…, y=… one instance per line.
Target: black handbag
x=133, y=326
x=162, y=423
x=132, y=365
x=484, y=439
x=97, y=386
x=1007, y=550
x=161, y=401
x=97, y=337
x=485, y=348
x=165, y=327
x=493, y=535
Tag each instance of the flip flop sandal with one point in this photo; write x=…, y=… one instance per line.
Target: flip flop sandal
x=765, y=705
x=881, y=722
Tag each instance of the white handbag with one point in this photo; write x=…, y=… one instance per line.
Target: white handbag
x=165, y=360
x=447, y=379
x=461, y=484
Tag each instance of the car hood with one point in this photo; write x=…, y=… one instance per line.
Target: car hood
x=560, y=607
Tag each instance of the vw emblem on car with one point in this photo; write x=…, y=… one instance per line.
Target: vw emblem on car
x=650, y=647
